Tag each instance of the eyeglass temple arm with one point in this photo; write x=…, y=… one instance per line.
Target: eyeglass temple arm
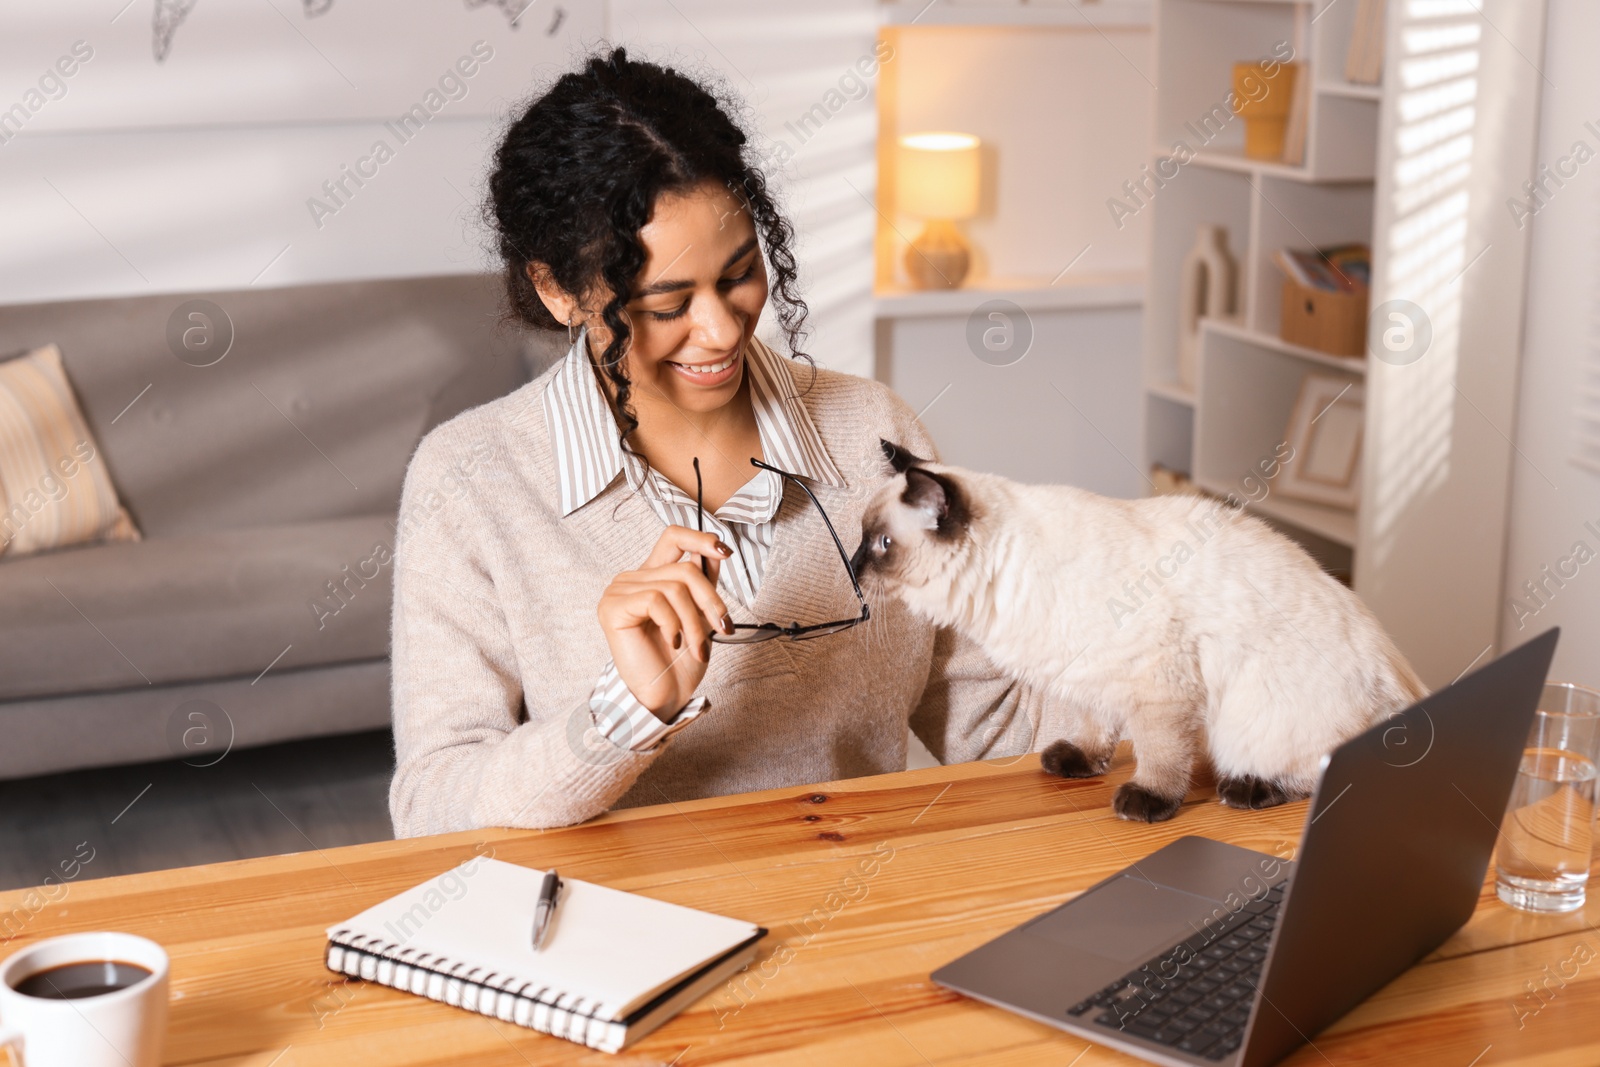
x=700, y=513
x=851, y=571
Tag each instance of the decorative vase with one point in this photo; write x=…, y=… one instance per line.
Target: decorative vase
x=1205, y=288
x=1264, y=104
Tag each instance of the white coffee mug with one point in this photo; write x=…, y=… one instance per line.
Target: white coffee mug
x=122, y=1028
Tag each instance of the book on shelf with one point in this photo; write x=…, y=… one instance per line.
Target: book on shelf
x=1294, y=134
x=1364, y=59
x=1354, y=48
x=1340, y=269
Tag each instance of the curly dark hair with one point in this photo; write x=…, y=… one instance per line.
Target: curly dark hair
x=578, y=173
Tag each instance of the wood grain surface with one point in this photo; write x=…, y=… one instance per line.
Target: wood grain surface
x=866, y=887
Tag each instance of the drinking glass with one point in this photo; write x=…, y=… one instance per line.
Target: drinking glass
x=1546, y=842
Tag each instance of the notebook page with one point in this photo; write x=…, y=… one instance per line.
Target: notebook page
x=606, y=945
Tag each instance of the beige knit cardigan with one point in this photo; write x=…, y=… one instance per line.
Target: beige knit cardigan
x=496, y=646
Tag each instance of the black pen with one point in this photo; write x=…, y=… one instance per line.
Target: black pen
x=549, y=888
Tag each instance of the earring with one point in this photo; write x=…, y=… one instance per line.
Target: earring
x=572, y=337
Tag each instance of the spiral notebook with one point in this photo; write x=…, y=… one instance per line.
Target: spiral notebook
x=614, y=965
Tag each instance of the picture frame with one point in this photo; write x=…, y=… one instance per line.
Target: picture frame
x=1325, y=429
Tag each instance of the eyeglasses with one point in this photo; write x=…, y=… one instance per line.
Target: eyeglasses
x=747, y=633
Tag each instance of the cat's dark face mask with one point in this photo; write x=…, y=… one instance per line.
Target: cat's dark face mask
x=916, y=514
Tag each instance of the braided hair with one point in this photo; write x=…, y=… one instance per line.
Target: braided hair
x=577, y=175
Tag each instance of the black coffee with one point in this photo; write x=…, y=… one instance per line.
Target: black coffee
x=74, y=981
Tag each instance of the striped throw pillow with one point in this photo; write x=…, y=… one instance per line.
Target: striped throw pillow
x=54, y=487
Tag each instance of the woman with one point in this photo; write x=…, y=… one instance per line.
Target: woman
x=554, y=603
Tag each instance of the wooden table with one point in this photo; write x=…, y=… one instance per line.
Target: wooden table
x=963, y=853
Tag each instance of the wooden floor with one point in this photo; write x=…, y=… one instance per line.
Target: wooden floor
x=319, y=793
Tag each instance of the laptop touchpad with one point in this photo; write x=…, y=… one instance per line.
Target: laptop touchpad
x=1127, y=920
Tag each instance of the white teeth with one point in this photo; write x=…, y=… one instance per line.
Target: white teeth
x=709, y=368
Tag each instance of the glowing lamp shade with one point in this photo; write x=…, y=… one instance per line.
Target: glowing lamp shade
x=937, y=179
x=938, y=175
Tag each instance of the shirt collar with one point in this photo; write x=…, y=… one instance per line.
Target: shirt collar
x=584, y=432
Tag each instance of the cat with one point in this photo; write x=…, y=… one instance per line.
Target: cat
x=1179, y=620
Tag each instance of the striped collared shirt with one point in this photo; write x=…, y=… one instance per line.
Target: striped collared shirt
x=589, y=457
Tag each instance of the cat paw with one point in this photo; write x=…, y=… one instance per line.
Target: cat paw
x=1067, y=760
x=1252, y=794
x=1138, y=804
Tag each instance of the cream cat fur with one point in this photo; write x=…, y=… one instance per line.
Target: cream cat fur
x=1177, y=620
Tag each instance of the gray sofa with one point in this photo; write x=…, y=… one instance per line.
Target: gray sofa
x=265, y=484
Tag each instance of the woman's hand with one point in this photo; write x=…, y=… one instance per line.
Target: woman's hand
x=658, y=619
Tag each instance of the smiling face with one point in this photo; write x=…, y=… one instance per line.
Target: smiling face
x=695, y=304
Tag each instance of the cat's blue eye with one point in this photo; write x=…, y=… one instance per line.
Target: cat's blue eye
x=883, y=542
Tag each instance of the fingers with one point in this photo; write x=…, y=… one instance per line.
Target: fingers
x=701, y=583
x=696, y=627
x=712, y=607
x=676, y=540
x=634, y=605
x=671, y=607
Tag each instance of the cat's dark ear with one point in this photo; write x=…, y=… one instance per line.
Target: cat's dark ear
x=939, y=498
x=899, y=458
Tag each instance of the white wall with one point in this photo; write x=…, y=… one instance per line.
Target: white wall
x=195, y=172
x=1064, y=116
x=1556, y=501
x=1066, y=412
x=1063, y=113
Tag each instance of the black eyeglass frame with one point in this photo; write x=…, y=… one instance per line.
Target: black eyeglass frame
x=767, y=631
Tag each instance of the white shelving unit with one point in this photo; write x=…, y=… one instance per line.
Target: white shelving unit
x=1395, y=166
x=1239, y=407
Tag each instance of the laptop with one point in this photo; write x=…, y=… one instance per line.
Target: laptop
x=1207, y=953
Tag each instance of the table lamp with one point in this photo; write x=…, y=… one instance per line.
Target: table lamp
x=937, y=180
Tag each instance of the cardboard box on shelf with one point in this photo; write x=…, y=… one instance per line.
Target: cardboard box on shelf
x=1328, y=321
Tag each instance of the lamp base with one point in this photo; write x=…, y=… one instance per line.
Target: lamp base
x=939, y=257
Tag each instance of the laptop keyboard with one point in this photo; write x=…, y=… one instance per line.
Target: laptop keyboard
x=1196, y=996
